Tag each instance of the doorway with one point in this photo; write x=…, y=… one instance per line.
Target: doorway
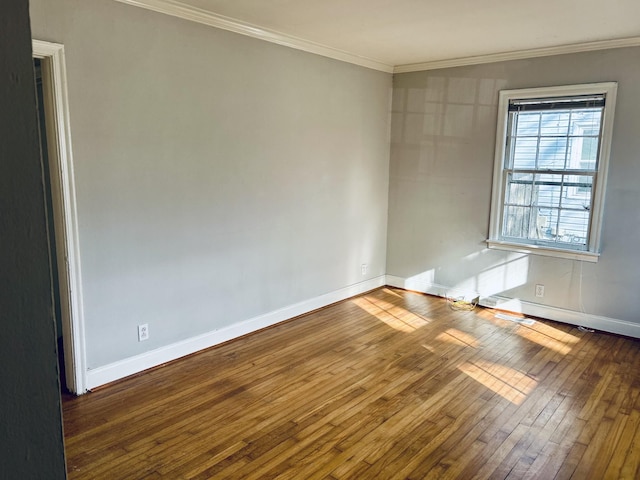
x=61, y=211
x=53, y=249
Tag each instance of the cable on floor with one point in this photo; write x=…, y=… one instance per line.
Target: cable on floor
x=462, y=304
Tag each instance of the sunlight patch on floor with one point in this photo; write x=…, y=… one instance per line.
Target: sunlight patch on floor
x=555, y=333
x=396, y=317
x=544, y=340
x=392, y=292
x=510, y=384
x=457, y=337
x=540, y=332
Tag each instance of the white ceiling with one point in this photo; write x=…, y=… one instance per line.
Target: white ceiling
x=405, y=32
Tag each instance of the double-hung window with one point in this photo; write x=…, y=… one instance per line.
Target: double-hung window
x=552, y=151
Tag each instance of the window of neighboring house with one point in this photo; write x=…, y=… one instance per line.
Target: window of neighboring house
x=552, y=151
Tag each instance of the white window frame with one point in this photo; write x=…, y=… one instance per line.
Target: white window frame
x=592, y=252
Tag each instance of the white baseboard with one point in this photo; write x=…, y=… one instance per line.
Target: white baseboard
x=596, y=322
x=129, y=366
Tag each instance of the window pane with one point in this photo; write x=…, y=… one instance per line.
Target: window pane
x=583, y=153
x=524, y=152
x=573, y=227
x=551, y=223
x=519, y=189
x=516, y=222
x=548, y=190
x=589, y=150
x=545, y=223
x=585, y=189
x=577, y=192
x=584, y=144
x=585, y=119
x=527, y=124
x=553, y=151
x=555, y=123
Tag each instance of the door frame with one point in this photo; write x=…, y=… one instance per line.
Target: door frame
x=64, y=211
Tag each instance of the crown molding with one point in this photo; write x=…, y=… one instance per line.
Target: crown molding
x=205, y=17
x=519, y=55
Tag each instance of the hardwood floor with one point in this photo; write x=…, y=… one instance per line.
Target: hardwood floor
x=388, y=385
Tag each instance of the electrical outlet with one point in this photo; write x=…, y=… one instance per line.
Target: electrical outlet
x=364, y=268
x=539, y=290
x=143, y=332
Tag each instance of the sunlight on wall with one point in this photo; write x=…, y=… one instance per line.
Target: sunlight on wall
x=511, y=305
x=511, y=273
x=420, y=281
x=510, y=384
x=494, y=277
x=396, y=317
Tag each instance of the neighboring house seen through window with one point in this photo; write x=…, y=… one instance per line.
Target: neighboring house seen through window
x=552, y=151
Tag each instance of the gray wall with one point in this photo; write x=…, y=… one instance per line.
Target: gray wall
x=443, y=139
x=218, y=177
x=30, y=420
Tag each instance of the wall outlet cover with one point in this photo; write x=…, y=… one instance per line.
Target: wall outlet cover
x=143, y=332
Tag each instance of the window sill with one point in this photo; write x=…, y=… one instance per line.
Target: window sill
x=546, y=251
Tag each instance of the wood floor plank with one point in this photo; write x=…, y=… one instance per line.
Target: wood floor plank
x=614, y=468
x=631, y=465
x=387, y=385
